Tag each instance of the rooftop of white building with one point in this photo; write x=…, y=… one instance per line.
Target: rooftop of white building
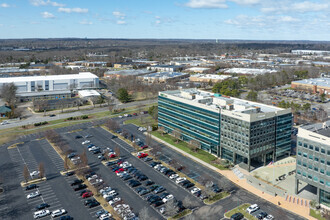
x=211, y=76
x=250, y=71
x=315, y=81
x=319, y=128
x=81, y=75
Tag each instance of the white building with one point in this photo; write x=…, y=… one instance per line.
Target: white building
x=52, y=82
x=310, y=52
x=249, y=71
x=88, y=93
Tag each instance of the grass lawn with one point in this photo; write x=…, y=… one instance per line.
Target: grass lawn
x=138, y=96
x=181, y=214
x=241, y=209
x=216, y=198
x=316, y=214
x=145, y=121
x=200, y=154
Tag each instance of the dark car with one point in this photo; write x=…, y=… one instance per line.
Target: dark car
x=93, y=204
x=32, y=186
x=80, y=187
x=163, y=195
x=148, y=183
x=127, y=177
x=215, y=188
x=135, y=184
x=66, y=217
x=142, y=178
x=146, y=159
x=90, y=174
x=159, y=190
x=70, y=173
x=154, y=164
x=158, y=203
x=184, y=182
x=148, y=197
x=89, y=201
x=52, y=115
x=143, y=192
x=119, y=161
x=262, y=215
x=153, y=187
x=78, y=136
x=42, y=206
x=188, y=185
x=114, y=136
x=97, y=151
x=76, y=182
x=71, y=155
x=139, y=189
x=110, y=163
x=154, y=199
x=237, y=216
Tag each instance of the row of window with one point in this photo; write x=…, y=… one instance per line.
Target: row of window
x=314, y=178
x=311, y=167
x=315, y=148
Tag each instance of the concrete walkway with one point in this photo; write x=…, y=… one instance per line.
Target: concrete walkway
x=289, y=203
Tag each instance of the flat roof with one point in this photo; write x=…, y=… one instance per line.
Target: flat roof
x=251, y=71
x=165, y=74
x=131, y=72
x=81, y=75
x=211, y=76
x=54, y=92
x=319, y=128
x=315, y=81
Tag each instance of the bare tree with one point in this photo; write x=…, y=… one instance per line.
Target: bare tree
x=112, y=125
x=41, y=168
x=117, y=151
x=66, y=163
x=171, y=208
x=26, y=173
x=177, y=134
x=144, y=214
x=8, y=93
x=162, y=130
x=148, y=139
x=195, y=145
x=190, y=203
x=84, y=159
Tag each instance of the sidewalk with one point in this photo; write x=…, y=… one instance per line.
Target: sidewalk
x=298, y=209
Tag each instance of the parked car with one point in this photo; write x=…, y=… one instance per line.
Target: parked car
x=80, y=187
x=159, y=189
x=76, y=182
x=93, y=204
x=269, y=217
x=88, y=136
x=87, y=194
x=157, y=203
x=89, y=201
x=78, y=136
x=34, y=173
x=262, y=215
x=168, y=198
x=142, y=155
x=188, y=185
x=86, y=142
x=66, y=217
x=101, y=212
x=70, y=173
x=32, y=186
x=179, y=180
x=195, y=190
x=237, y=216
x=40, y=214
x=42, y=206
x=148, y=183
x=58, y=212
x=71, y=155
x=252, y=208
x=33, y=195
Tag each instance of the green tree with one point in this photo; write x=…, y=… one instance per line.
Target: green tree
x=323, y=97
x=153, y=111
x=252, y=95
x=243, y=80
x=123, y=95
x=228, y=87
x=306, y=106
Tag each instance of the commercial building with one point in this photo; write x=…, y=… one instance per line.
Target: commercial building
x=198, y=70
x=234, y=129
x=313, y=159
x=208, y=77
x=86, y=94
x=165, y=68
x=314, y=85
x=52, y=82
x=310, y=52
x=163, y=76
x=125, y=73
x=249, y=71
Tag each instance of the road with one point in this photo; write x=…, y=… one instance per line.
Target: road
x=39, y=117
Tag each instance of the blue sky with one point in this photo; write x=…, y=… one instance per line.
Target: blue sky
x=192, y=19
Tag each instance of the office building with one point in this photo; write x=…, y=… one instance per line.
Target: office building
x=234, y=129
x=162, y=77
x=313, y=85
x=313, y=159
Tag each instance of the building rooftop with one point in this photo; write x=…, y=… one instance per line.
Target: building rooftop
x=217, y=101
x=165, y=75
x=249, y=71
x=319, y=128
x=211, y=76
x=197, y=69
x=82, y=75
x=315, y=81
x=131, y=72
x=41, y=93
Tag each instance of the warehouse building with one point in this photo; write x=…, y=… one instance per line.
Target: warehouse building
x=314, y=85
x=240, y=131
x=208, y=77
x=313, y=160
x=52, y=82
x=162, y=77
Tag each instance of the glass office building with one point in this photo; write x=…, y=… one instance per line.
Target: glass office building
x=313, y=159
x=234, y=129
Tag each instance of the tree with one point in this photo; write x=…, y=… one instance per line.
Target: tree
x=84, y=159
x=306, y=107
x=144, y=214
x=252, y=95
x=148, y=139
x=8, y=93
x=66, y=163
x=41, y=168
x=323, y=97
x=190, y=203
x=117, y=151
x=195, y=145
x=123, y=95
x=162, y=130
x=177, y=134
x=153, y=112
x=171, y=207
x=26, y=173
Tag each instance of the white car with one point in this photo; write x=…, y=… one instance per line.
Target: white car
x=174, y=176
x=179, y=180
x=34, y=173
x=58, y=212
x=117, y=199
x=168, y=198
x=4, y=122
x=86, y=142
x=40, y=214
x=125, y=115
x=252, y=208
x=33, y=195
x=120, y=116
x=269, y=217
x=195, y=190
x=162, y=210
x=105, y=216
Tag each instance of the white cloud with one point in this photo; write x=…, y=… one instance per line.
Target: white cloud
x=121, y=22
x=309, y=6
x=206, y=4
x=44, y=3
x=47, y=15
x=246, y=2
x=118, y=14
x=282, y=6
x=73, y=10
x=287, y=19
x=158, y=22
x=85, y=22
x=4, y=5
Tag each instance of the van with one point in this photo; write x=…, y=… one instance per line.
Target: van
x=40, y=214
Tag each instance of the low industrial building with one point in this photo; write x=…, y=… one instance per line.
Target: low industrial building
x=87, y=94
x=208, y=77
x=313, y=85
x=198, y=70
x=163, y=76
x=249, y=71
x=310, y=52
x=313, y=160
x=125, y=73
x=165, y=68
x=243, y=132
x=43, y=95
x=4, y=110
x=52, y=82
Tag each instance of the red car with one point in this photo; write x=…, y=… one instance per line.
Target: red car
x=120, y=170
x=144, y=146
x=135, y=114
x=112, y=155
x=142, y=155
x=87, y=194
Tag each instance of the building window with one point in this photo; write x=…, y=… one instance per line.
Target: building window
x=328, y=184
x=309, y=176
x=304, y=174
x=304, y=165
x=322, y=181
x=316, y=159
x=311, y=147
x=298, y=171
x=328, y=162
x=310, y=166
x=305, y=145
x=328, y=152
x=310, y=157
x=316, y=169
x=305, y=154
x=316, y=179
x=328, y=173
x=322, y=150
x=299, y=162
x=299, y=153
x=322, y=171
x=299, y=143
x=322, y=161
x=317, y=149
